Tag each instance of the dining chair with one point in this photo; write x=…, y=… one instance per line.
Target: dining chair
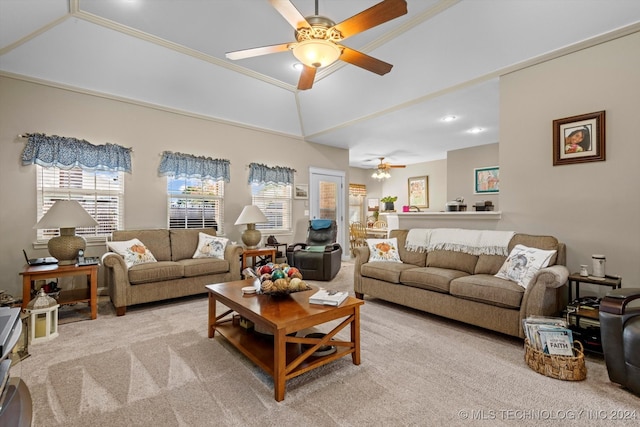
x=357, y=235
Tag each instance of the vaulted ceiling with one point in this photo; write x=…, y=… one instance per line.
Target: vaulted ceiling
x=447, y=56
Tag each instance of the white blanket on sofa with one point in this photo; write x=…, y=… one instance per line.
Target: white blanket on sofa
x=417, y=239
x=474, y=242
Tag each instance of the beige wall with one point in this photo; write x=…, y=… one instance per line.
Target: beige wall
x=593, y=207
x=397, y=185
x=29, y=107
x=461, y=174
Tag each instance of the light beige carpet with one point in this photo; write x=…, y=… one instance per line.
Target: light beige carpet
x=156, y=367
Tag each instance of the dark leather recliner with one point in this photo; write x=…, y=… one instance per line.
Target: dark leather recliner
x=620, y=331
x=320, y=257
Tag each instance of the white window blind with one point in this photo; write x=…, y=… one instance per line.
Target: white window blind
x=274, y=200
x=100, y=193
x=196, y=203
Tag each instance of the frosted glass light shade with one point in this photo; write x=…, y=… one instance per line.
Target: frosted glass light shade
x=317, y=53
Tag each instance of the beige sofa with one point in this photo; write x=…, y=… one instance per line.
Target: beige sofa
x=176, y=273
x=463, y=287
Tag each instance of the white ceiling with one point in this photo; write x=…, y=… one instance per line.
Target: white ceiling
x=447, y=57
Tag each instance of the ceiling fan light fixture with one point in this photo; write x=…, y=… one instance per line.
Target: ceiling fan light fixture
x=381, y=174
x=316, y=53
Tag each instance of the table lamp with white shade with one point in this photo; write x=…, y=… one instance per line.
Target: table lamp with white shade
x=251, y=215
x=66, y=215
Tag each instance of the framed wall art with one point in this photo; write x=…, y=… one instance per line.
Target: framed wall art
x=579, y=139
x=301, y=191
x=419, y=191
x=487, y=180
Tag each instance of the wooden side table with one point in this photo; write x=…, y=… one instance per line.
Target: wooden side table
x=277, y=247
x=575, y=278
x=42, y=272
x=257, y=253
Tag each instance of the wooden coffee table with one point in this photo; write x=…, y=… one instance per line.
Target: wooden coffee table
x=281, y=356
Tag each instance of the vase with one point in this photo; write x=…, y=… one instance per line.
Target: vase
x=388, y=206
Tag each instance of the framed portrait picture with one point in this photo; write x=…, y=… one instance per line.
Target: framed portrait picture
x=487, y=180
x=579, y=139
x=419, y=191
x=301, y=191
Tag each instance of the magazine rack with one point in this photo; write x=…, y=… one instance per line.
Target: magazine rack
x=568, y=368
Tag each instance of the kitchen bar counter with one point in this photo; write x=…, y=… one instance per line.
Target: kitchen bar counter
x=466, y=219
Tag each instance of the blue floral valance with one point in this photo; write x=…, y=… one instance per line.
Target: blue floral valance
x=67, y=153
x=187, y=165
x=277, y=174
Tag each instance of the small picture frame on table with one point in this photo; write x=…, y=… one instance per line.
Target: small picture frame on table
x=579, y=139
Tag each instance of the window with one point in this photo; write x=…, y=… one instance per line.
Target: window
x=195, y=203
x=100, y=193
x=357, y=193
x=274, y=200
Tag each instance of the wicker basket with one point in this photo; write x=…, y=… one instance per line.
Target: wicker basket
x=568, y=368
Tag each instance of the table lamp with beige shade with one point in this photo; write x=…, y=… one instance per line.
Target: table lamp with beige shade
x=251, y=215
x=66, y=215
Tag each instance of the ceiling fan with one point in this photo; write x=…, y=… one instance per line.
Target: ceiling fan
x=382, y=170
x=317, y=38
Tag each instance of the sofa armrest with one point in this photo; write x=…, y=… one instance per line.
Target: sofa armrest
x=232, y=253
x=362, y=256
x=117, y=275
x=542, y=297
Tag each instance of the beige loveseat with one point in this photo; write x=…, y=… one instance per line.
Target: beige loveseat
x=175, y=274
x=463, y=287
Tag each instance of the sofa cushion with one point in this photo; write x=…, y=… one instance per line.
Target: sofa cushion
x=453, y=260
x=155, y=272
x=157, y=241
x=203, y=266
x=409, y=257
x=132, y=251
x=210, y=246
x=383, y=250
x=432, y=278
x=184, y=241
x=386, y=271
x=488, y=289
x=489, y=264
x=540, y=242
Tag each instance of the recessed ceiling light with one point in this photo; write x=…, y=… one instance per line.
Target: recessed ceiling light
x=297, y=66
x=475, y=130
x=449, y=118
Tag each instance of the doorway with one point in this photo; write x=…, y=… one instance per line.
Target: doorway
x=326, y=198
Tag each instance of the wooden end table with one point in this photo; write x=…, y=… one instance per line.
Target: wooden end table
x=257, y=253
x=42, y=272
x=282, y=357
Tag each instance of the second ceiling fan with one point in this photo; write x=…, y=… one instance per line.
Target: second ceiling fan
x=317, y=38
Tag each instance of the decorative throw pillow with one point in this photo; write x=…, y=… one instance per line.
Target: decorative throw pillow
x=383, y=250
x=133, y=251
x=523, y=263
x=210, y=246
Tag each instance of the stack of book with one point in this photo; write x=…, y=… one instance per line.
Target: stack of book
x=550, y=335
x=328, y=297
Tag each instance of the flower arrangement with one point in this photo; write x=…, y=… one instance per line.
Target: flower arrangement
x=389, y=199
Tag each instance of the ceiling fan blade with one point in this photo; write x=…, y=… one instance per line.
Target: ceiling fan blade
x=369, y=18
x=306, y=77
x=257, y=51
x=396, y=166
x=290, y=13
x=365, y=61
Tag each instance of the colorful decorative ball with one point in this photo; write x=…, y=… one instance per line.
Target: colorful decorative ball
x=292, y=271
x=277, y=274
x=282, y=285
